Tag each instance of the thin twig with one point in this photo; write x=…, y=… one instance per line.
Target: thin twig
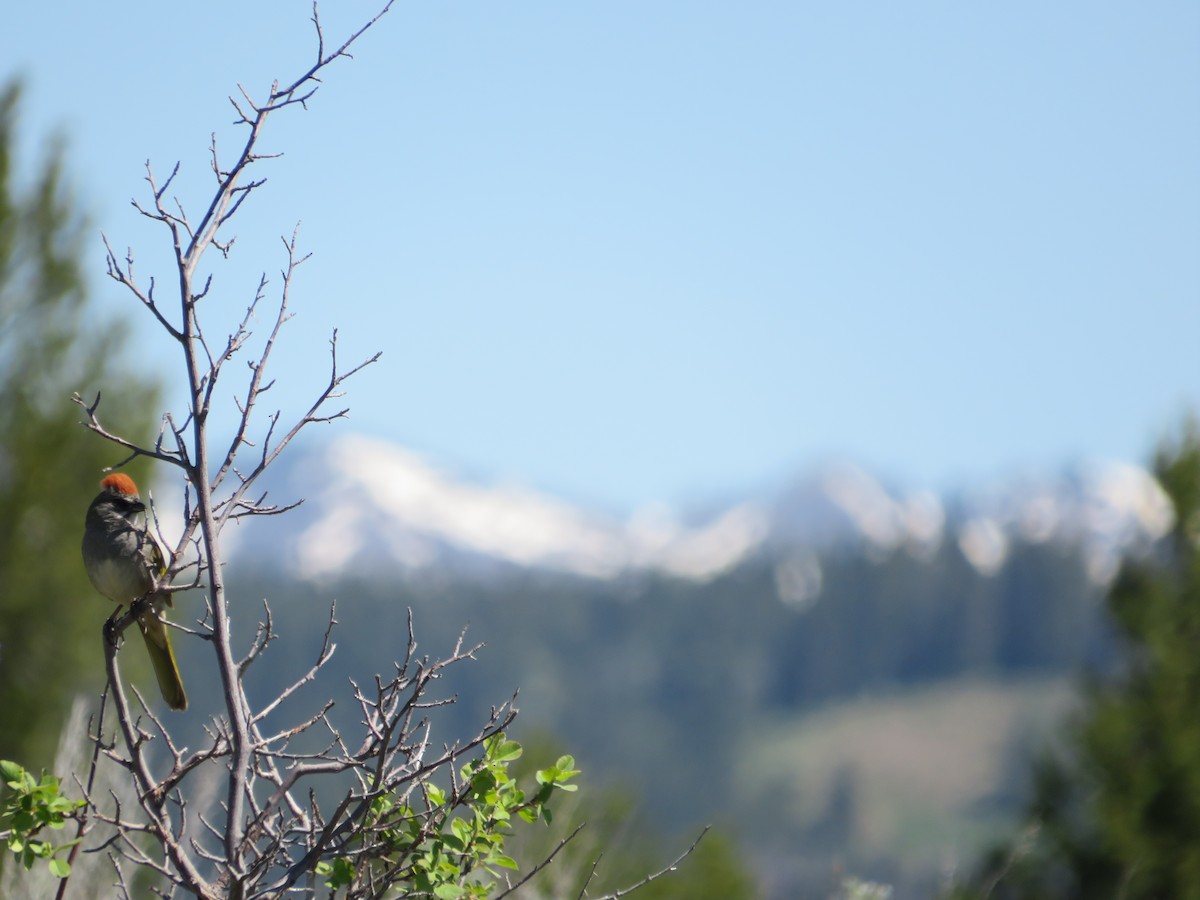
x=545, y=862
x=661, y=872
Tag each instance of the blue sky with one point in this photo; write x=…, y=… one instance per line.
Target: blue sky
x=629, y=252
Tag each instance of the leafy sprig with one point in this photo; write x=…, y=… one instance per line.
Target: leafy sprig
x=34, y=804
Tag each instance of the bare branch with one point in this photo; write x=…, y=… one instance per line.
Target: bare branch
x=124, y=275
x=251, y=832
x=149, y=791
x=545, y=862
x=93, y=424
x=661, y=872
x=327, y=649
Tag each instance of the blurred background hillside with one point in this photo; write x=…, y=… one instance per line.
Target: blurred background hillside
x=841, y=694
x=772, y=388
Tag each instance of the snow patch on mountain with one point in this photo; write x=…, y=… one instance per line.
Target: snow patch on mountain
x=1106, y=508
x=843, y=502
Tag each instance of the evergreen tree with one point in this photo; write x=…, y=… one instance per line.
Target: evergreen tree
x=52, y=343
x=1117, y=814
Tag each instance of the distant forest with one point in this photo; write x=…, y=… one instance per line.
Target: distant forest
x=638, y=669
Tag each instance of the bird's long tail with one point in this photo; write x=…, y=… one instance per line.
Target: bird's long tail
x=162, y=657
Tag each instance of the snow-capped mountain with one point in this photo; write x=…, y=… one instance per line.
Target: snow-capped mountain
x=374, y=507
x=371, y=505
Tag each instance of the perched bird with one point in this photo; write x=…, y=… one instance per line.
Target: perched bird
x=125, y=563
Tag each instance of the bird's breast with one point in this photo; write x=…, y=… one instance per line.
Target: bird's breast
x=118, y=580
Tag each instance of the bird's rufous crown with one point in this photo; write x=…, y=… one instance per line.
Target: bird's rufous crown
x=120, y=483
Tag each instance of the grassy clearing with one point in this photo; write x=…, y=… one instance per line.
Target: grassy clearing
x=919, y=777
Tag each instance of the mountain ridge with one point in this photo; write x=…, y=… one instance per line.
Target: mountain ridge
x=378, y=507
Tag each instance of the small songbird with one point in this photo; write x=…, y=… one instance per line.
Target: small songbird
x=125, y=562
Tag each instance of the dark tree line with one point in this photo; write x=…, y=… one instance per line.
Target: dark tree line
x=1117, y=812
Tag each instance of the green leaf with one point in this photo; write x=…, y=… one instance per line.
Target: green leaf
x=60, y=867
x=483, y=782
x=338, y=874
x=506, y=752
x=10, y=771
x=17, y=778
